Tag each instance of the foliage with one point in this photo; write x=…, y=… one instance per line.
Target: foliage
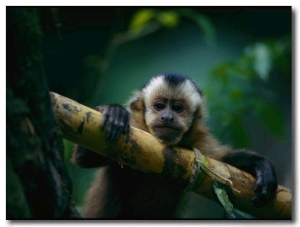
x=144, y=22
x=245, y=86
x=236, y=89
x=143, y=19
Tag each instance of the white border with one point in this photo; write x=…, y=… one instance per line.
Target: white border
x=150, y=3
x=294, y=4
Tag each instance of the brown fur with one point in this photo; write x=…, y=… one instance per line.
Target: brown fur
x=127, y=193
x=124, y=193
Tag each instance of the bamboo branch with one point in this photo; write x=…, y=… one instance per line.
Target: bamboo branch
x=144, y=152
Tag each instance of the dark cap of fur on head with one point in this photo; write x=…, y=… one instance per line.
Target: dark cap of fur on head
x=175, y=79
x=172, y=86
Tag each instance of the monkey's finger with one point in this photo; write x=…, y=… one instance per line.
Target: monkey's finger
x=258, y=185
x=116, y=134
x=109, y=129
x=126, y=130
x=259, y=200
x=103, y=110
x=121, y=120
x=264, y=192
x=125, y=123
x=106, y=115
x=104, y=121
x=262, y=196
x=115, y=130
x=117, y=126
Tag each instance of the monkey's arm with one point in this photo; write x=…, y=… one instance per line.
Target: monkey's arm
x=257, y=165
x=115, y=122
x=88, y=159
x=260, y=167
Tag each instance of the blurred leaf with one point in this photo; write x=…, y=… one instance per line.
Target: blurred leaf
x=236, y=94
x=207, y=27
x=220, y=73
x=272, y=118
x=144, y=18
x=168, y=19
x=281, y=49
x=68, y=146
x=140, y=19
x=243, y=86
x=147, y=21
x=203, y=21
x=224, y=69
x=262, y=59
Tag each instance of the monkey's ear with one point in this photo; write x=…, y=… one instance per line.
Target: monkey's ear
x=136, y=103
x=202, y=112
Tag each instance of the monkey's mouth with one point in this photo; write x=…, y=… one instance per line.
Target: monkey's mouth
x=167, y=134
x=166, y=128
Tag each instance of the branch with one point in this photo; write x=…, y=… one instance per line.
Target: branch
x=144, y=152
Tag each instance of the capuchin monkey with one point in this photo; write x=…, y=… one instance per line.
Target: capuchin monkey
x=171, y=108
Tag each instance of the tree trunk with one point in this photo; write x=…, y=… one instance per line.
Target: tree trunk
x=37, y=183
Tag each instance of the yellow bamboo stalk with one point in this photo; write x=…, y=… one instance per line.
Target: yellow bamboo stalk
x=144, y=152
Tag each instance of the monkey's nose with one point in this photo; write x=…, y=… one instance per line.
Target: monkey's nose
x=167, y=117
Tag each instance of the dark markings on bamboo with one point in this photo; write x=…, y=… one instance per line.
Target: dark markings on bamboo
x=80, y=128
x=169, y=165
x=66, y=106
x=88, y=115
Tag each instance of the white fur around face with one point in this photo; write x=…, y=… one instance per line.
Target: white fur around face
x=186, y=91
x=158, y=87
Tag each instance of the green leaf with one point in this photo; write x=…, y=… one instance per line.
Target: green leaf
x=207, y=27
x=140, y=19
x=272, y=118
x=68, y=146
x=224, y=69
x=236, y=94
x=168, y=19
x=262, y=59
x=203, y=22
x=220, y=73
x=223, y=198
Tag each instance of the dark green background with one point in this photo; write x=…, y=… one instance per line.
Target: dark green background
x=245, y=111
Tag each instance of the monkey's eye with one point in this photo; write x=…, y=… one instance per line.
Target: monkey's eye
x=159, y=106
x=178, y=108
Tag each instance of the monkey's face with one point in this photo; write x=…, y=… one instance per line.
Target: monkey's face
x=168, y=119
x=170, y=109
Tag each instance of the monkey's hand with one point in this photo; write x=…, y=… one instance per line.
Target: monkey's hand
x=261, y=168
x=115, y=121
x=266, y=183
